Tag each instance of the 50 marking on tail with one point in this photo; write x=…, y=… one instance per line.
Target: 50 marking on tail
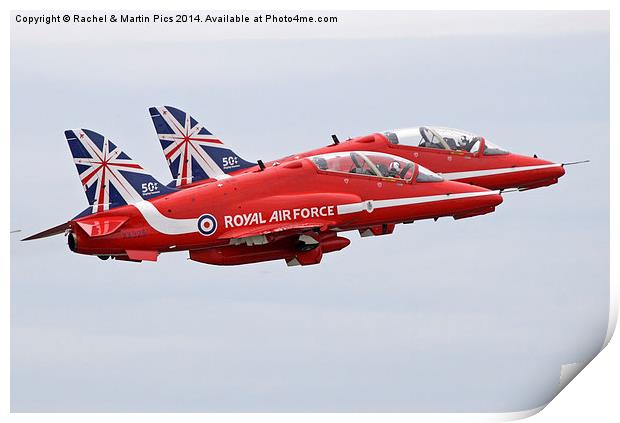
x=150, y=188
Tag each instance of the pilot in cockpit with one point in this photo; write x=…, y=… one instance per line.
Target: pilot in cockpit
x=463, y=141
x=466, y=144
x=394, y=170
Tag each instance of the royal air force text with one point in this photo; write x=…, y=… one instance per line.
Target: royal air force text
x=282, y=215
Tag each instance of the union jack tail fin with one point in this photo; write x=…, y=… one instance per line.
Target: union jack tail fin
x=109, y=176
x=192, y=152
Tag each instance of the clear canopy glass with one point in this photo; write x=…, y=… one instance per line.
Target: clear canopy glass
x=425, y=175
x=443, y=139
x=373, y=164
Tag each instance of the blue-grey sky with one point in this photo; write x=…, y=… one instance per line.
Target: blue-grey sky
x=470, y=315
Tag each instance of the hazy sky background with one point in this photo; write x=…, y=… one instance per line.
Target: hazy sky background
x=470, y=315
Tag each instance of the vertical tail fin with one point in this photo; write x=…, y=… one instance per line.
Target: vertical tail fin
x=192, y=152
x=109, y=176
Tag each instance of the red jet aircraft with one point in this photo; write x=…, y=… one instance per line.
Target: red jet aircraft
x=195, y=155
x=292, y=211
x=460, y=156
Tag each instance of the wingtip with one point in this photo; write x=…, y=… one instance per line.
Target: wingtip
x=56, y=230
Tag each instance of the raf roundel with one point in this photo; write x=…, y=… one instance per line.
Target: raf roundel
x=207, y=224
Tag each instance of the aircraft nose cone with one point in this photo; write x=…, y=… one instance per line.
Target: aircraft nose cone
x=552, y=170
x=491, y=199
x=495, y=199
x=485, y=198
x=537, y=173
x=546, y=176
x=480, y=201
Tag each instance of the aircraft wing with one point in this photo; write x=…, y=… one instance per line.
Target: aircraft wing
x=49, y=232
x=298, y=243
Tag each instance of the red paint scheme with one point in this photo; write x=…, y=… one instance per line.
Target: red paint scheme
x=284, y=248
x=96, y=226
x=450, y=161
x=293, y=208
x=242, y=205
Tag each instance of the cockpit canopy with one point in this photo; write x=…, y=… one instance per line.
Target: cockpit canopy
x=374, y=164
x=443, y=139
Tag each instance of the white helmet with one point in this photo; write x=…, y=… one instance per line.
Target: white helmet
x=394, y=167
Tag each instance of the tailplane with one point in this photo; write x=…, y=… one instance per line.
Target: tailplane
x=109, y=176
x=192, y=152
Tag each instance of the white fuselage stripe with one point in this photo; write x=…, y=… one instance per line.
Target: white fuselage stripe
x=169, y=226
x=370, y=205
x=163, y=224
x=451, y=176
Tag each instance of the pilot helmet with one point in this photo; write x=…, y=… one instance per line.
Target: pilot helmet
x=394, y=167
